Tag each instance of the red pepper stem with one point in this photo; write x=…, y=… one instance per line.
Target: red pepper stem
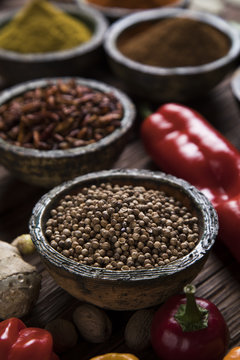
x=190, y=316
x=192, y=312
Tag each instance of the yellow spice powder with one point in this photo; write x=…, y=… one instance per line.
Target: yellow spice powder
x=41, y=27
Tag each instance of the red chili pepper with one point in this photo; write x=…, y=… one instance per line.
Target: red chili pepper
x=189, y=328
x=181, y=142
x=17, y=342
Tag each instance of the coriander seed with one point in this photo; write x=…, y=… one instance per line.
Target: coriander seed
x=122, y=227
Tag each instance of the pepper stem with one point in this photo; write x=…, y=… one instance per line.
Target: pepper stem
x=190, y=316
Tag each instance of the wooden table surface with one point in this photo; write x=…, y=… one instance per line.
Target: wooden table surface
x=219, y=281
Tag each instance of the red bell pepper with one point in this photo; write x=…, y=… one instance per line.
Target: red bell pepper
x=181, y=142
x=17, y=342
x=187, y=328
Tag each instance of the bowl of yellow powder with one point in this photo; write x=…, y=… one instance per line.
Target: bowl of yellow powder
x=43, y=39
x=171, y=54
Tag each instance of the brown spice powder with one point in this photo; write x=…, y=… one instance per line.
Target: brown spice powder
x=176, y=42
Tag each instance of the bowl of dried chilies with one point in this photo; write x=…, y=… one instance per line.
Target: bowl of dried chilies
x=54, y=129
x=124, y=239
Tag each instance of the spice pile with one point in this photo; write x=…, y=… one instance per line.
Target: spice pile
x=59, y=116
x=41, y=27
x=122, y=227
x=175, y=42
x=133, y=4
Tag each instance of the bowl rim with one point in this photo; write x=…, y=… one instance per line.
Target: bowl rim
x=58, y=260
x=113, y=32
x=129, y=113
x=83, y=12
x=235, y=84
x=118, y=12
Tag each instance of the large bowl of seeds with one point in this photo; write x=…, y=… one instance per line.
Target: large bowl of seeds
x=54, y=129
x=124, y=239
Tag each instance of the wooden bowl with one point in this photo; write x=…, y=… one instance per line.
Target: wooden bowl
x=48, y=168
x=133, y=289
x=114, y=13
x=160, y=84
x=16, y=67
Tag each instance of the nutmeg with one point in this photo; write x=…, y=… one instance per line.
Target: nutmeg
x=93, y=323
x=64, y=334
x=137, y=331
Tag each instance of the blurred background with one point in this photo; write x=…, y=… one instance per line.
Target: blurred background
x=229, y=9
x=215, y=6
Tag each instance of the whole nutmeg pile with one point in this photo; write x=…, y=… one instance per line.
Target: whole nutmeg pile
x=122, y=227
x=60, y=116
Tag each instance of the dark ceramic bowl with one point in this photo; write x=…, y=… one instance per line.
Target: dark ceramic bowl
x=114, y=13
x=16, y=67
x=48, y=168
x=133, y=289
x=169, y=84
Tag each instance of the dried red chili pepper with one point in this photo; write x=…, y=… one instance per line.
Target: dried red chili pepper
x=187, y=328
x=181, y=142
x=17, y=342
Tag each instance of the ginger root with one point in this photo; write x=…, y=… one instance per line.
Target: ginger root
x=19, y=283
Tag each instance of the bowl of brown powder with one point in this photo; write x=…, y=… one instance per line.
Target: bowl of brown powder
x=54, y=129
x=115, y=9
x=171, y=54
x=124, y=239
x=43, y=39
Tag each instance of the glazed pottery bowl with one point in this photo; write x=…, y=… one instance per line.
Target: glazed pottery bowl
x=16, y=67
x=114, y=13
x=48, y=168
x=126, y=289
x=168, y=84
